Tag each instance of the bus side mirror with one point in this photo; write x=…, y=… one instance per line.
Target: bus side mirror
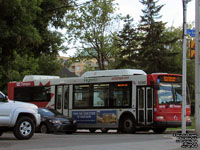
x=157, y=86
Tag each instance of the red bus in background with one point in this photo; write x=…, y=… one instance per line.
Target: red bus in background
x=124, y=99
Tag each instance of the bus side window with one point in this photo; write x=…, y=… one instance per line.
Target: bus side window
x=100, y=95
x=81, y=96
x=121, y=95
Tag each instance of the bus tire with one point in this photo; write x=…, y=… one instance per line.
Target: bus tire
x=92, y=130
x=159, y=130
x=128, y=125
x=24, y=128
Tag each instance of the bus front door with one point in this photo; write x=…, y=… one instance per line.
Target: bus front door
x=62, y=99
x=145, y=99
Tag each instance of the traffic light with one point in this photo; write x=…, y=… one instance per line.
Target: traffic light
x=192, y=49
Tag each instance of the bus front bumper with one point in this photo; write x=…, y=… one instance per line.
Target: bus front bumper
x=171, y=124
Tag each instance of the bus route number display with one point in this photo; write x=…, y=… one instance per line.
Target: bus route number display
x=169, y=78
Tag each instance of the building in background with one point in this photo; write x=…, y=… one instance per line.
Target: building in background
x=79, y=67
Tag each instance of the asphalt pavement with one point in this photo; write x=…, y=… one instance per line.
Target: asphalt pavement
x=83, y=140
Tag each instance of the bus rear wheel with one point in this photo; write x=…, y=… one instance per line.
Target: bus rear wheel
x=159, y=130
x=127, y=125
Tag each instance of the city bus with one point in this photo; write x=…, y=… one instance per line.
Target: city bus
x=128, y=100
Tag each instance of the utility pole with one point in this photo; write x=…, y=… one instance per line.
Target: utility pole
x=197, y=67
x=184, y=67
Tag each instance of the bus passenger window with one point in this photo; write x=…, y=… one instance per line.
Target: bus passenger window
x=81, y=96
x=100, y=95
x=32, y=94
x=121, y=95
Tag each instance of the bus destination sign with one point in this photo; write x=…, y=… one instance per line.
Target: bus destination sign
x=167, y=78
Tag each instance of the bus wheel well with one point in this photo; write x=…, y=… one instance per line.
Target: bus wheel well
x=127, y=123
x=126, y=114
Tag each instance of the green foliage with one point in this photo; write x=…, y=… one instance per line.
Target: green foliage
x=155, y=55
x=89, y=27
x=127, y=45
x=29, y=65
x=49, y=65
x=25, y=33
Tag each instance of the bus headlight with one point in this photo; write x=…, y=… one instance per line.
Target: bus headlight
x=187, y=118
x=160, y=117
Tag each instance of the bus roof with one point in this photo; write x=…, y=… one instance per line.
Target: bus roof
x=117, y=72
x=38, y=77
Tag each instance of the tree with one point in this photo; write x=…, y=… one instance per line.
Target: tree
x=155, y=55
x=90, y=28
x=29, y=65
x=127, y=42
x=25, y=29
x=16, y=31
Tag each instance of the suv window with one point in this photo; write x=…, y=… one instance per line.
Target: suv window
x=1, y=98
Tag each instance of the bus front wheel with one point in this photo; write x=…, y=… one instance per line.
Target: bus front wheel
x=159, y=130
x=128, y=125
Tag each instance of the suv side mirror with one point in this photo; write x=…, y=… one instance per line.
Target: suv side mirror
x=5, y=99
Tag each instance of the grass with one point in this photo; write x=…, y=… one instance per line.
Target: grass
x=188, y=127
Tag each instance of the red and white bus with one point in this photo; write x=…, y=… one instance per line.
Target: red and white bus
x=125, y=99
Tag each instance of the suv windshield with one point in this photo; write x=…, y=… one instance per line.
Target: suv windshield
x=48, y=112
x=171, y=93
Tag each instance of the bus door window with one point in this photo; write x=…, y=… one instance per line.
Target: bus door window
x=66, y=97
x=141, y=98
x=62, y=99
x=100, y=95
x=59, y=98
x=145, y=100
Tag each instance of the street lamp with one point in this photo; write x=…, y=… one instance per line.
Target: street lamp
x=197, y=68
x=184, y=67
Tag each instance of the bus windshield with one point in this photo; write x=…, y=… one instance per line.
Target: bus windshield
x=171, y=93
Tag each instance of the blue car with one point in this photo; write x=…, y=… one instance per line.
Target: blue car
x=53, y=121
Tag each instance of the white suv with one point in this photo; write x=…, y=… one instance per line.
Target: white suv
x=19, y=117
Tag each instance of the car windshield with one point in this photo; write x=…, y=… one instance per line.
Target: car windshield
x=48, y=112
x=170, y=93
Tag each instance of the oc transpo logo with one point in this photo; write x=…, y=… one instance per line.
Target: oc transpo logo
x=175, y=117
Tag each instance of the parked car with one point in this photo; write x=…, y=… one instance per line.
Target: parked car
x=53, y=121
x=19, y=117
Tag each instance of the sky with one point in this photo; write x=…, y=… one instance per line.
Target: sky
x=172, y=13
